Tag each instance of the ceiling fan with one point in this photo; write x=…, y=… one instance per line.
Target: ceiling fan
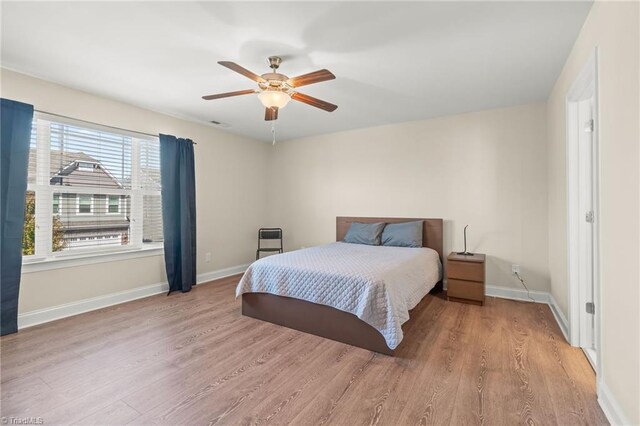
x=275, y=90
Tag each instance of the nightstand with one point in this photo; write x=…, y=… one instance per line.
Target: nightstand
x=465, y=278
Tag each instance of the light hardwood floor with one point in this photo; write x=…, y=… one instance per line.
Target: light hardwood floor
x=193, y=359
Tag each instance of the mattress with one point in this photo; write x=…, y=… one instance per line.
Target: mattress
x=378, y=284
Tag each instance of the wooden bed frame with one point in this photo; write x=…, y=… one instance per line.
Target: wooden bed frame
x=326, y=321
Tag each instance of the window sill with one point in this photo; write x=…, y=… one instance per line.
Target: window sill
x=89, y=258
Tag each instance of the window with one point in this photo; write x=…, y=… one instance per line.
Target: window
x=88, y=167
x=90, y=189
x=56, y=203
x=84, y=203
x=114, y=204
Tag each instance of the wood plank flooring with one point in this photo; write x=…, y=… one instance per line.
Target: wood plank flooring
x=193, y=359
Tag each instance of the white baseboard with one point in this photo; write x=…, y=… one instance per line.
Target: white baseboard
x=511, y=293
x=516, y=294
x=53, y=313
x=560, y=318
x=221, y=273
x=610, y=406
x=41, y=316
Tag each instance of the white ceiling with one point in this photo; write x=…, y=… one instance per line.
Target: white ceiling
x=394, y=62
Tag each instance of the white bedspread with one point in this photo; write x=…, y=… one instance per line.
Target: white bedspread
x=377, y=284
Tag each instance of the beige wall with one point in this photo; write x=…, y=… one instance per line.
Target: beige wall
x=500, y=171
x=486, y=169
x=230, y=195
x=613, y=27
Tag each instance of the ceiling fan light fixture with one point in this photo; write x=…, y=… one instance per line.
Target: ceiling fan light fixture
x=274, y=98
x=275, y=89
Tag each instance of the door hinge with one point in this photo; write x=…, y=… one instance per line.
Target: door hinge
x=590, y=307
x=588, y=216
x=589, y=126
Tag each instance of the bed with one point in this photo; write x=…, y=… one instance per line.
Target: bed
x=352, y=293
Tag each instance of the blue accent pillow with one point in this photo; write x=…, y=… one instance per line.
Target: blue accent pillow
x=364, y=233
x=407, y=234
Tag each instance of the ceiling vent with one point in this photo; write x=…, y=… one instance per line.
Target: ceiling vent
x=218, y=123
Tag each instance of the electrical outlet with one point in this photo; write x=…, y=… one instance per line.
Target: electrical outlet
x=207, y=257
x=515, y=269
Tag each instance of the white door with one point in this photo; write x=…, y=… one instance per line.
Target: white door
x=585, y=228
x=583, y=240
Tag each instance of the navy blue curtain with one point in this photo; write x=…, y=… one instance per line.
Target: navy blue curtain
x=15, y=125
x=178, y=211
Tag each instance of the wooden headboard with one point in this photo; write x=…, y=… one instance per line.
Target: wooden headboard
x=431, y=230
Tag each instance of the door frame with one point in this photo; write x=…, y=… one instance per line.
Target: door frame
x=587, y=77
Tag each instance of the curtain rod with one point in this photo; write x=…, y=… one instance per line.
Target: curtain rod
x=99, y=124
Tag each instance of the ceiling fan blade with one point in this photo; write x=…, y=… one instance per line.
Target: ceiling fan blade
x=237, y=68
x=312, y=77
x=310, y=100
x=228, y=94
x=271, y=114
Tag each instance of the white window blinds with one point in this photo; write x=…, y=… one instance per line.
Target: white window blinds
x=90, y=189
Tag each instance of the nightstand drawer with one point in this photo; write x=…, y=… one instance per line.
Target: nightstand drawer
x=469, y=271
x=465, y=289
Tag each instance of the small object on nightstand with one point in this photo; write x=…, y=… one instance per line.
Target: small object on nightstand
x=466, y=277
x=465, y=252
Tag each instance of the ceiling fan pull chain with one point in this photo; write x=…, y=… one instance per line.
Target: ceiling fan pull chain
x=273, y=132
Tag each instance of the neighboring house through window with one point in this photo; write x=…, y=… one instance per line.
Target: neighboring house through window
x=85, y=202
x=90, y=188
x=114, y=204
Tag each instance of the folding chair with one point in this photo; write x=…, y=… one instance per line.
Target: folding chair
x=269, y=234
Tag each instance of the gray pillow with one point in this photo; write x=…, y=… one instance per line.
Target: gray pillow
x=407, y=234
x=364, y=233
